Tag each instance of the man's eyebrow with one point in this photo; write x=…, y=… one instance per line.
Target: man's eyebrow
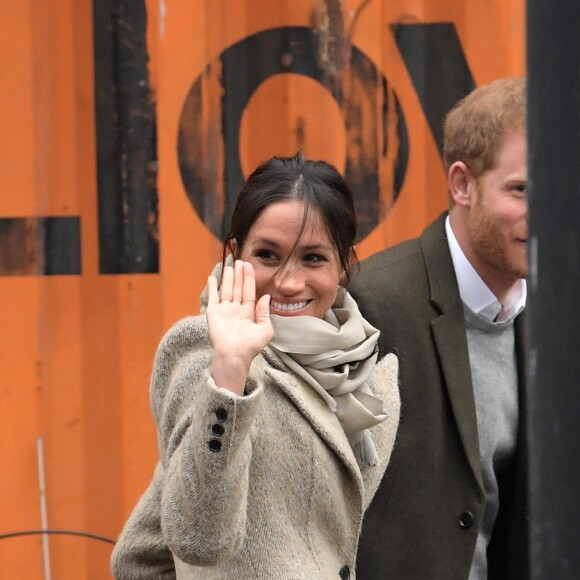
x=515, y=183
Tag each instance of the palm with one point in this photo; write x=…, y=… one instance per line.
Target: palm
x=239, y=327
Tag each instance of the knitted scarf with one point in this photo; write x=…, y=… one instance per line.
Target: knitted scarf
x=336, y=355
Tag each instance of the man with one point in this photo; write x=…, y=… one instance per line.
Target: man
x=452, y=504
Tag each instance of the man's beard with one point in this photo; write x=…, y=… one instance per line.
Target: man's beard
x=493, y=246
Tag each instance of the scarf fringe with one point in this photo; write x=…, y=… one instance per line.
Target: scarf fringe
x=365, y=451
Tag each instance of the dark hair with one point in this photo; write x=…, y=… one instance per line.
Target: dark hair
x=317, y=183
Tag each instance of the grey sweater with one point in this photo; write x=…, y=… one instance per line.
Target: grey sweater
x=492, y=358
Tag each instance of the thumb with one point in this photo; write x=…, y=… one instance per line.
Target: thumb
x=263, y=310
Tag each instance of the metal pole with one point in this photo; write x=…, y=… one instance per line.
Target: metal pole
x=43, y=512
x=553, y=58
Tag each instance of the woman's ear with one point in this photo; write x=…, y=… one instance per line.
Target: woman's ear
x=352, y=258
x=344, y=278
x=460, y=183
x=234, y=248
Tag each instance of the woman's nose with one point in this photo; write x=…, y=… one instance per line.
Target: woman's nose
x=290, y=281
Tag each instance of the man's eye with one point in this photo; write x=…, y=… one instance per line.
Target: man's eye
x=521, y=187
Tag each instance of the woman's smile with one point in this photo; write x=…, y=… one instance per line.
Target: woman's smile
x=294, y=261
x=287, y=307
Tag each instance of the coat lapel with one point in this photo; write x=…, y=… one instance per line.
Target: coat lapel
x=315, y=410
x=451, y=344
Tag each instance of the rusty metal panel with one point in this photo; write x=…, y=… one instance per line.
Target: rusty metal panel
x=127, y=128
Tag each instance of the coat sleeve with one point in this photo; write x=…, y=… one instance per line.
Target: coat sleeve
x=141, y=553
x=205, y=445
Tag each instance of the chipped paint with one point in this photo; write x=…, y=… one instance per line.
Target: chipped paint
x=162, y=16
x=126, y=128
x=355, y=15
x=334, y=48
x=18, y=240
x=40, y=246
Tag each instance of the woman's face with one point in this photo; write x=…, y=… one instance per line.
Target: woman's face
x=308, y=283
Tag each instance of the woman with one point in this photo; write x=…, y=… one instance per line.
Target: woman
x=275, y=421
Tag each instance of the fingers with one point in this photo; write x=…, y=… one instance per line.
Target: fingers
x=212, y=291
x=249, y=283
x=238, y=284
x=263, y=310
x=227, y=284
x=238, y=281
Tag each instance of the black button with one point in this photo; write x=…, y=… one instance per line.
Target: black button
x=344, y=573
x=215, y=445
x=466, y=520
x=217, y=429
x=221, y=414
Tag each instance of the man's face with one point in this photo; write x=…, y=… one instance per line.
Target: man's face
x=497, y=223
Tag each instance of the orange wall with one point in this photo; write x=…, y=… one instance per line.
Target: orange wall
x=76, y=350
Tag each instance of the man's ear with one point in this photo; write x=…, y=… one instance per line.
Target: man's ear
x=460, y=183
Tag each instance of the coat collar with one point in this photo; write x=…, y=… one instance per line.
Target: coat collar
x=443, y=288
x=315, y=410
x=450, y=344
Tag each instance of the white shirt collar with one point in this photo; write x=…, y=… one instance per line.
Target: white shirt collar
x=474, y=291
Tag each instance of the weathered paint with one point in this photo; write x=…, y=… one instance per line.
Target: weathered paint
x=360, y=91
x=125, y=140
x=76, y=349
x=40, y=246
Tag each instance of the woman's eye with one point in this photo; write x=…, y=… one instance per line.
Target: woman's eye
x=266, y=255
x=314, y=258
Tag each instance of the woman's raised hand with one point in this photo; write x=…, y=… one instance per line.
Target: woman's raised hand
x=239, y=327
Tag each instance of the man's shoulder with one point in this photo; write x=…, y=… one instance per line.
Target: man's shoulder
x=397, y=265
x=390, y=281
x=403, y=251
x=406, y=260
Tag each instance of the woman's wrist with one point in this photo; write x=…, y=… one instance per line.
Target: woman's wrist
x=230, y=373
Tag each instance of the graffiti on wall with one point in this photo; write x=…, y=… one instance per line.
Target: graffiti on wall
x=208, y=152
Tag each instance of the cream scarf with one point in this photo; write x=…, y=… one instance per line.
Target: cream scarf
x=336, y=355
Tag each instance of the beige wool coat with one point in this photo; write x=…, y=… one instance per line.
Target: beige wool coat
x=261, y=486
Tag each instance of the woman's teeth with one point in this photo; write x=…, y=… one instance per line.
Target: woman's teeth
x=289, y=307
